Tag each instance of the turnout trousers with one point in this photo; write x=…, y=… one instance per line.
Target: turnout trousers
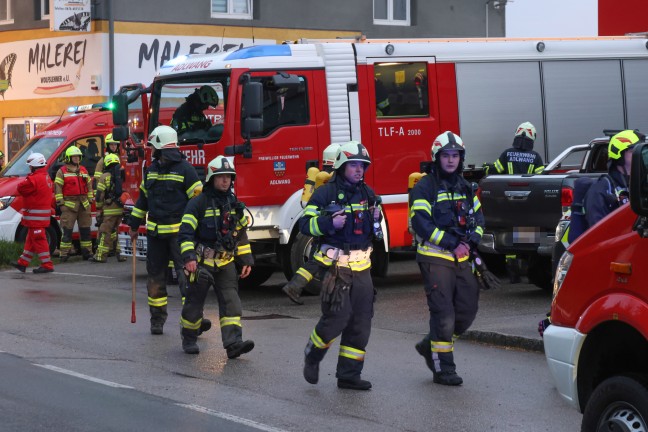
x=81, y=215
x=36, y=245
x=160, y=249
x=452, y=293
x=106, y=237
x=229, y=304
x=352, y=321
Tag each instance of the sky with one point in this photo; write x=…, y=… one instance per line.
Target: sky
x=551, y=18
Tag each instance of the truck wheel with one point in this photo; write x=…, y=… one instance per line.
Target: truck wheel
x=257, y=276
x=618, y=403
x=300, y=253
x=539, y=271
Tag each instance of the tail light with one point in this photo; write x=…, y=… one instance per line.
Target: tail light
x=566, y=196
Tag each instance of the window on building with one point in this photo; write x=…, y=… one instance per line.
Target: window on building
x=392, y=12
x=401, y=90
x=236, y=9
x=6, y=14
x=45, y=9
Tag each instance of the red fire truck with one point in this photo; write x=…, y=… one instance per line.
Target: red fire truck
x=283, y=104
x=85, y=127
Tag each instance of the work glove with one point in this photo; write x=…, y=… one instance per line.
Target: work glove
x=486, y=279
x=544, y=324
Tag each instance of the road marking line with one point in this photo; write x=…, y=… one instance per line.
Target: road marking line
x=230, y=417
x=82, y=376
x=82, y=274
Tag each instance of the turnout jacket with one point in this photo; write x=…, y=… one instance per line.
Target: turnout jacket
x=36, y=191
x=164, y=193
x=443, y=213
x=519, y=161
x=357, y=233
x=187, y=118
x=73, y=185
x=215, y=220
x=605, y=196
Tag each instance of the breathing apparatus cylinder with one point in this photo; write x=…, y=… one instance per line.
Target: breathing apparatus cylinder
x=309, y=185
x=322, y=178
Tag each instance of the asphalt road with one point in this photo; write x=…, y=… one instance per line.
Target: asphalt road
x=78, y=320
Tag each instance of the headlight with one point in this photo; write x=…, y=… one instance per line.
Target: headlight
x=561, y=271
x=6, y=202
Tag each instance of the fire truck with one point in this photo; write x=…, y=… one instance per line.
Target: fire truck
x=86, y=127
x=281, y=105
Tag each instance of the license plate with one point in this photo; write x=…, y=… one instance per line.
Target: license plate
x=140, y=244
x=526, y=235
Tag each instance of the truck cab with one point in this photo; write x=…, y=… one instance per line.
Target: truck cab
x=597, y=345
x=83, y=126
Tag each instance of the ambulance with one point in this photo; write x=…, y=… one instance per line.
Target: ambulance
x=283, y=104
x=86, y=127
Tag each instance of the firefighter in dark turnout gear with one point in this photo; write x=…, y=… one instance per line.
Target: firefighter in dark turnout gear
x=168, y=184
x=189, y=116
x=74, y=196
x=519, y=159
x=342, y=214
x=213, y=237
x=447, y=220
x=304, y=274
x=109, y=208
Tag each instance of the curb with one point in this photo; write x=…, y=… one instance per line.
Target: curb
x=508, y=341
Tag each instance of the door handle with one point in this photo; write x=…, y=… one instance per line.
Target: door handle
x=517, y=195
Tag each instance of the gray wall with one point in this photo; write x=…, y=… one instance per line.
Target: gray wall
x=429, y=18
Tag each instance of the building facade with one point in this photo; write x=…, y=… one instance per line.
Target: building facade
x=43, y=72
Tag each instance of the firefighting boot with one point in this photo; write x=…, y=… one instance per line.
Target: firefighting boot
x=293, y=289
x=312, y=358
x=205, y=325
x=20, y=268
x=189, y=338
x=94, y=259
x=157, y=328
x=513, y=268
x=86, y=254
x=239, y=348
x=424, y=348
x=447, y=378
x=354, y=384
x=119, y=256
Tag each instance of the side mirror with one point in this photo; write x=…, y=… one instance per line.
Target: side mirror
x=120, y=133
x=253, y=99
x=120, y=109
x=639, y=180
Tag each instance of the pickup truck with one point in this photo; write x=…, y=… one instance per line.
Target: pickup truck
x=522, y=211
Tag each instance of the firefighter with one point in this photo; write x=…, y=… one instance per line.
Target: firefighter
x=74, y=196
x=519, y=159
x=305, y=273
x=448, y=223
x=212, y=239
x=109, y=208
x=36, y=191
x=342, y=214
x=168, y=184
x=382, y=98
x=189, y=116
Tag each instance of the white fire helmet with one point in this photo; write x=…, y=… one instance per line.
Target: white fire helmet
x=163, y=137
x=36, y=160
x=220, y=165
x=447, y=141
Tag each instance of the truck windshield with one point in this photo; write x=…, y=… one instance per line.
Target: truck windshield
x=195, y=107
x=45, y=145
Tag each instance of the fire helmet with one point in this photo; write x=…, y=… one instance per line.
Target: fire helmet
x=329, y=154
x=35, y=160
x=526, y=129
x=623, y=141
x=220, y=165
x=72, y=151
x=163, y=137
x=110, y=159
x=352, y=151
x=111, y=140
x=208, y=95
x=447, y=141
